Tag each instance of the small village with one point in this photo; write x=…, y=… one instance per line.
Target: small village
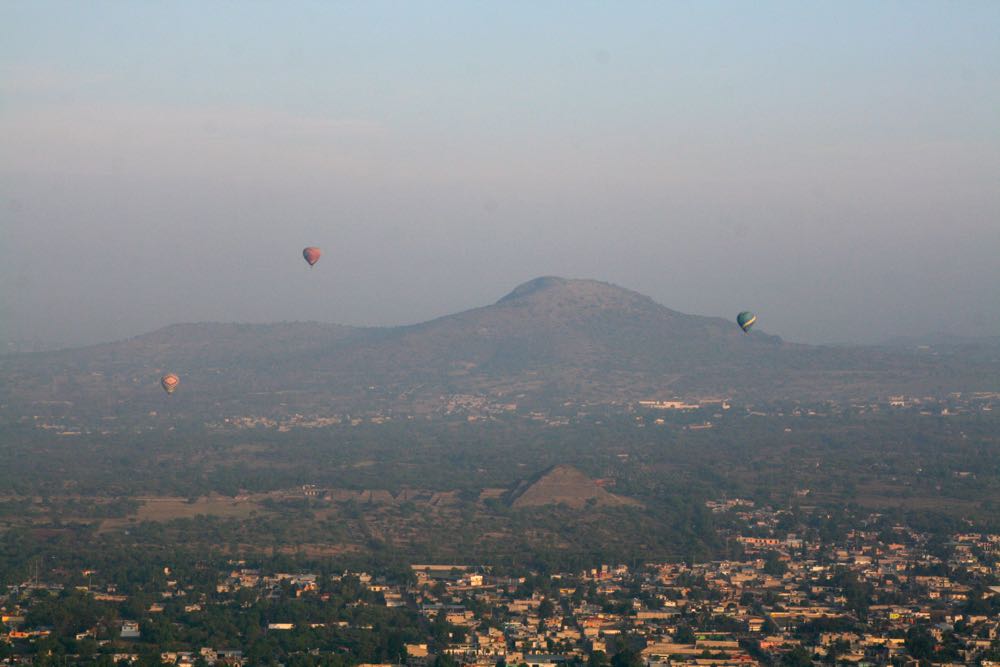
x=691, y=413
x=873, y=597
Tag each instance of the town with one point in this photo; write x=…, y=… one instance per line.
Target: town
x=876, y=593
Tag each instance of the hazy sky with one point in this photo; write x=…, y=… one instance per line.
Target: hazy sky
x=833, y=166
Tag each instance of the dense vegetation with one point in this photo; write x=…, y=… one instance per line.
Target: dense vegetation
x=445, y=481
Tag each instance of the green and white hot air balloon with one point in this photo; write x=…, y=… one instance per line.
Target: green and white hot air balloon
x=746, y=320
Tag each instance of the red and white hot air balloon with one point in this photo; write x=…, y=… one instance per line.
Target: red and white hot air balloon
x=170, y=382
x=311, y=255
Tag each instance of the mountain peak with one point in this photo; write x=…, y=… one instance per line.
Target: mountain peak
x=565, y=291
x=534, y=286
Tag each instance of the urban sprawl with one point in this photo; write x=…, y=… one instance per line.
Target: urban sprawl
x=885, y=595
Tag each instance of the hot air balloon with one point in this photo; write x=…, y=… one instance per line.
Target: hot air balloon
x=746, y=320
x=311, y=255
x=170, y=382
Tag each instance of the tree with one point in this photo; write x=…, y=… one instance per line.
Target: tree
x=684, y=635
x=920, y=642
x=773, y=564
x=627, y=658
x=797, y=657
x=545, y=608
x=597, y=659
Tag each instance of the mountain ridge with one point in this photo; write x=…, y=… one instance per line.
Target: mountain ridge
x=548, y=339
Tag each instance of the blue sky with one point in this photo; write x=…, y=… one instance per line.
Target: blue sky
x=833, y=166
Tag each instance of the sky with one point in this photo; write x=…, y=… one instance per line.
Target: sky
x=832, y=166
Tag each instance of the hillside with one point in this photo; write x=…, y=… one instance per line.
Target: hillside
x=550, y=339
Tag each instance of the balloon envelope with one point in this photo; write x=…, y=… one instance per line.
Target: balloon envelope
x=170, y=382
x=311, y=255
x=746, y=320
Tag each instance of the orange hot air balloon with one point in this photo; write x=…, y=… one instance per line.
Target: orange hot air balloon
x=170, y=382
x=312, y=255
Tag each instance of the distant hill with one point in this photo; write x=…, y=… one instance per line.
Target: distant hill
x=550, y=339
x=563, y=485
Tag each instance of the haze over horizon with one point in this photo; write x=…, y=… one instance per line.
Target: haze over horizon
x=834, y=167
